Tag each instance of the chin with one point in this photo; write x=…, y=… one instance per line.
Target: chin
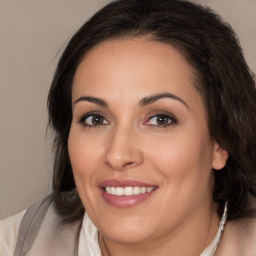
x=126, y=237
x=131, y=232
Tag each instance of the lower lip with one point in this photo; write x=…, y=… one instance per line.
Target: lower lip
x=125, y=201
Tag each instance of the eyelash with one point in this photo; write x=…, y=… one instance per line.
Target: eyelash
x=172, y=119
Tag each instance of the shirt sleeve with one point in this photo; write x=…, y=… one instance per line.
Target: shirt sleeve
x=9, y=229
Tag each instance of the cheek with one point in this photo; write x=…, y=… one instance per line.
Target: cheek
x=184, y=158
x=82, y=154
x=84, y=160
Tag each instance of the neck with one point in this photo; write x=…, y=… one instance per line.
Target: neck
x=190, y=238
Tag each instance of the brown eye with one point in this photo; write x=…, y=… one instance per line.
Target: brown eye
x=97, y=119
x=161, y=120
x=93, y=120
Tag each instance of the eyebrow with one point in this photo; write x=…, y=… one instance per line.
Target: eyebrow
x=97, y=101
x=143, y=102
x=153, y=98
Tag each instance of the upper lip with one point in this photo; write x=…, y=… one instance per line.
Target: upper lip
x=124, y=183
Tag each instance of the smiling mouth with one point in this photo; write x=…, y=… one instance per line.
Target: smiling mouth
x=128, y=191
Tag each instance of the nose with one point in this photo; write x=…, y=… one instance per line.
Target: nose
x=122, y=150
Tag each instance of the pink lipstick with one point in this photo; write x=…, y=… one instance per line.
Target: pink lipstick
x=125, y=193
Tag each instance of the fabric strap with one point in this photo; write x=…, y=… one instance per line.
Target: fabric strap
x=30, y=225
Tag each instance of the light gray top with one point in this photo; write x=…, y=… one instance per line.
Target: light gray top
x=41, y=232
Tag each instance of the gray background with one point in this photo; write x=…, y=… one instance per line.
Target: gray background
x=32, y=36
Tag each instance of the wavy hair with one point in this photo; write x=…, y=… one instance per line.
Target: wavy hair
x=225, y=82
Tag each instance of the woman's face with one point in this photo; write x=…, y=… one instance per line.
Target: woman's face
x=139, y=129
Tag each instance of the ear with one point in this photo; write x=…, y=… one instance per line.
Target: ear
x=220, y=157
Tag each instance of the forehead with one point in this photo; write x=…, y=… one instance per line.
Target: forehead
x=133, y=68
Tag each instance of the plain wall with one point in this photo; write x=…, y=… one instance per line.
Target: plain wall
x=32, y=35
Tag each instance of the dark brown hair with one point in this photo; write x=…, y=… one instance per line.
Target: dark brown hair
x=223, y=79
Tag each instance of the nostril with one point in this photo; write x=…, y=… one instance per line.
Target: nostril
x=129, y=163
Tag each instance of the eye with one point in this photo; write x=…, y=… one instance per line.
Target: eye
x=93, y=120
x=161, y=120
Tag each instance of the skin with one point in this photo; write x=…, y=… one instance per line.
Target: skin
x=180, y=217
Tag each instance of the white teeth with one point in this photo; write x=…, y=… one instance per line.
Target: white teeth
x=136, y=190
x=108, y=189
x=112, y=190
x=127, y=191
x=149, y=189
x=119, y=191
x=143, y=190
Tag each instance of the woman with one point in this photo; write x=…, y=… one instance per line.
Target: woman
x=153, y=108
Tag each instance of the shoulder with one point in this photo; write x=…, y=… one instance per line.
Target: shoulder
x=43, y=231
x=239, y=237
x=9, y=229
